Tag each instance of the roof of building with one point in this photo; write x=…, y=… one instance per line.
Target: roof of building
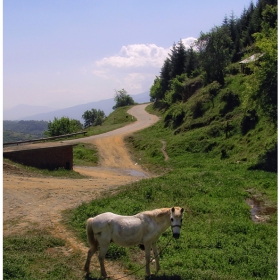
x=252, y=58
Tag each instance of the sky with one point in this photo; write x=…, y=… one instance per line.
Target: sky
x=62, y=53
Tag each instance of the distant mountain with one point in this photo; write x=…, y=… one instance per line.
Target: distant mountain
x=22, y=110
x=74, y=112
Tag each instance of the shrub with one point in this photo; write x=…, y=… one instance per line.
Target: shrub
x=233, y=69
x=231, y=101
x=214, y=131
x=174, y=116
x=63, y=126
x=212, y=90
x=249, y=121
x=268, y=160
x=197, y=109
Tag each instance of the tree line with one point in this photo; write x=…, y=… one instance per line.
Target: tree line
x=254, y=32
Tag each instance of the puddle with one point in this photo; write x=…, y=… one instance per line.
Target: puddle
x=260, y=212
x=131, y=172
x=135, y=173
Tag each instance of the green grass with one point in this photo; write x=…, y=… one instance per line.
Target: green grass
x=209, y=173
x=117, y=119
x=85, y=154
x=29, y=170
x=219, y=240
x=38, y=255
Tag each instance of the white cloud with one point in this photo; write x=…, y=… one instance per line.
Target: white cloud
x=188, y=42
x=135, y=66
x=137, y=55
x=140, y=55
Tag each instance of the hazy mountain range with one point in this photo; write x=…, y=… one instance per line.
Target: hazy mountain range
x=41, y=113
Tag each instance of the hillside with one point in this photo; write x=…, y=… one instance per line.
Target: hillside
x=218, y=128
x=23, y=130
x=222, y=101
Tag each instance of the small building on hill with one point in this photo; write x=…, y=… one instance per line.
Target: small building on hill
x=50, y=155
x=244, y=63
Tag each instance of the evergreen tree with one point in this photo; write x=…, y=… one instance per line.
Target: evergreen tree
x=178, y=58
x=192, y=62
x=214, y=53
x=165, y=77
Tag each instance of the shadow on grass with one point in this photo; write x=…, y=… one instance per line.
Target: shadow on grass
x=152, y=277
x=89, y=277
x=163, y=277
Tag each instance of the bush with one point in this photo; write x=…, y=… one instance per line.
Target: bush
x=268, y=160
x=93, y=117
x=63, y=126
x=197, y=109
x=249, y=121
x=174, y=116
x=122, y=99
x=231, y=101
x=233, y=69
x=212, y=90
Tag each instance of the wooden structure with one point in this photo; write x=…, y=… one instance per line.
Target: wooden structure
x=244, y=63
x=49, y=155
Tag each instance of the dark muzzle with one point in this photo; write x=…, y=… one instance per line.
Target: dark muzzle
x=176, y=235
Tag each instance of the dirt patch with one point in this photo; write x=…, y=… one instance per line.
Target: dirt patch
x=30, y=201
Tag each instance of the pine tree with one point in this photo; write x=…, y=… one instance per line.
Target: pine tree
x=214, y=53
x=192, y=62
x=178, y=58
x=165, y=77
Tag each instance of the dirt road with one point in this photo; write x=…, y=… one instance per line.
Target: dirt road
x=29, y=201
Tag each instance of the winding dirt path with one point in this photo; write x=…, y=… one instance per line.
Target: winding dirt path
x=38, y=201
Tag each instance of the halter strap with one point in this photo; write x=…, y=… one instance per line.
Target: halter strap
x=179, y=226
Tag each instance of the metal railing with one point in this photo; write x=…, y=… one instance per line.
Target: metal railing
x=44, y=139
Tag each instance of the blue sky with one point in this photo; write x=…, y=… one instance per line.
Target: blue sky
x=62, y=53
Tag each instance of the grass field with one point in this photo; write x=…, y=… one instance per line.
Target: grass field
x=219, y=239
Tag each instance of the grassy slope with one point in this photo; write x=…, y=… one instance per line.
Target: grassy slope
x=118, y=118
x=219, y=239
